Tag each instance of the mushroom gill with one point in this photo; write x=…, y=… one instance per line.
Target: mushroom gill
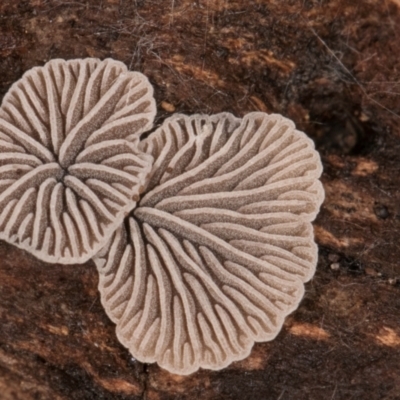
x=217, y=251
x=70, y=170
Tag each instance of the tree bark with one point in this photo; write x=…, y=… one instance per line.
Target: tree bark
x=331, y=66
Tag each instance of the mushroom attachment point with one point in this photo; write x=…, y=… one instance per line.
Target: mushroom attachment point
x=70, y=168
x=217, y=251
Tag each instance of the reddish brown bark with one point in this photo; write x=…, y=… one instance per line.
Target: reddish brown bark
x=334, y=68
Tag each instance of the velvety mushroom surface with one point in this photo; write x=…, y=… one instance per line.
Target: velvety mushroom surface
x=70, y=170
x=216, y=253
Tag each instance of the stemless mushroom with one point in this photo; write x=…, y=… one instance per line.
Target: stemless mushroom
x=217, y=251
x=70, y=170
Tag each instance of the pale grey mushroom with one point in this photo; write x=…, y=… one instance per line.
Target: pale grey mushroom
x=217, y=251
x=70, y=170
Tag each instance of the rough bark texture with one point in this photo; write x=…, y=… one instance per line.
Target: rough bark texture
x=334, y=68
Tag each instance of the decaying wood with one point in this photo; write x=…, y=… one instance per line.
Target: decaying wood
x=331, y=66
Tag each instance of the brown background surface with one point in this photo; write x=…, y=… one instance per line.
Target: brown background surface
x=334, y=68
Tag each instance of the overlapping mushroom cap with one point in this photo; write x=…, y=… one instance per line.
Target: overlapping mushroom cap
x=216, y=253
x=70, y=169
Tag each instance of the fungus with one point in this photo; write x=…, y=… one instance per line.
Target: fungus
x=70, y=170
x=217, y=251
x=201, y=233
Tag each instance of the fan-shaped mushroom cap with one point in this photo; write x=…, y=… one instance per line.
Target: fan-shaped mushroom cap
x=70, y=170
x=217, y=251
